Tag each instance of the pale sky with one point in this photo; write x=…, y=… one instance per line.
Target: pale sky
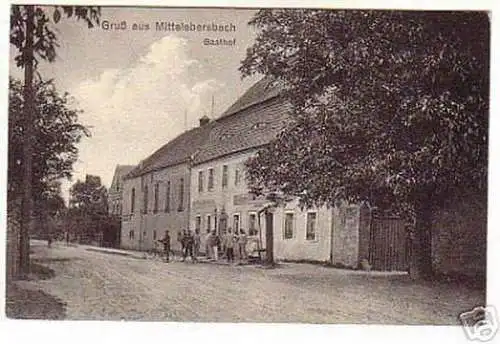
x=136, y=86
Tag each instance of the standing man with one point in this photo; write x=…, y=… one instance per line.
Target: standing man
x=180, y=240
x=208, y=245
x=229, y=245
x=166, y=246
x=197, y=243
x=188, y=244
x=242, y=245
x=215, y=242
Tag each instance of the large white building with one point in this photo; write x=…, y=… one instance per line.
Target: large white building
x=220, y=196
x=197, y=181
x=156, y=194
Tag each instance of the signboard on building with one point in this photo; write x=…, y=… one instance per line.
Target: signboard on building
x=204, y=203
x=243, y=199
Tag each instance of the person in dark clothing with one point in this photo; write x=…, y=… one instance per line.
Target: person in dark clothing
x=166, y=246
x=188, y=245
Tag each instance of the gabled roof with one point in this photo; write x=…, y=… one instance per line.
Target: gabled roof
x=121, y=171
x=181, y=149
x=251, y=122
x=261, y=91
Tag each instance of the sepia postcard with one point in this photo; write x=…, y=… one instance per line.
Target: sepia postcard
x=303, y=164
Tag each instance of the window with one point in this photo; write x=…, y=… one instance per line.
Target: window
x=144, y=234
x=200, y=181
x=209, y=223
x=157, y=190
x=288, y=232
x=236, y=223
x=210, y=179
x=181, y=195
x=167, y=198
x=132, y=201
x=311, y=226
x=224, y=176
x=252, y=224
x=131, y=235
x=154, y=234
x=145, y=205
x=197, y=223
x=237, y=177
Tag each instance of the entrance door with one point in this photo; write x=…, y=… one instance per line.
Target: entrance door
x=269, y=237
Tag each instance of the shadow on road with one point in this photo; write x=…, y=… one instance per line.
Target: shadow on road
x=24, y=303
x=32, y=304
x=40, y=272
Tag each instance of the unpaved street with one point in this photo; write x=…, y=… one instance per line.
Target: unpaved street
x=96, y=285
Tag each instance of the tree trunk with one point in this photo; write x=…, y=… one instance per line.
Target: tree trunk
x=29, y=106
x=269, y=239
x=421, y=248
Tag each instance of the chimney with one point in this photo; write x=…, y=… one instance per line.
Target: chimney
x=204, y=120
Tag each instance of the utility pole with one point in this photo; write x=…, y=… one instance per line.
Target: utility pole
x=185, y=120
x=212, y=108
x=28, y=133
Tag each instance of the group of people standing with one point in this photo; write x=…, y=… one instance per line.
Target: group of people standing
x=227, y=243
x=190, y=244
x=216, y=245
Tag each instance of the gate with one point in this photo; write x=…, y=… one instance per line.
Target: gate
x=388, y=249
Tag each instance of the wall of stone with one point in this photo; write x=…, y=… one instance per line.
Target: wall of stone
x=460, y=235
x=346, y=224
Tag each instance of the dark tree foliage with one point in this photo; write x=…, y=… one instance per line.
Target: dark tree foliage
x=390, y=107
x=87, y=215
x=56, y=135
x=90, y=196
x=33, y=37
x=45, y=40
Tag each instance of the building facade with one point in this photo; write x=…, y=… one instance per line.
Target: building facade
x=115, y=191
x=198, y=181
x=220, y=197
x=156, y=194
